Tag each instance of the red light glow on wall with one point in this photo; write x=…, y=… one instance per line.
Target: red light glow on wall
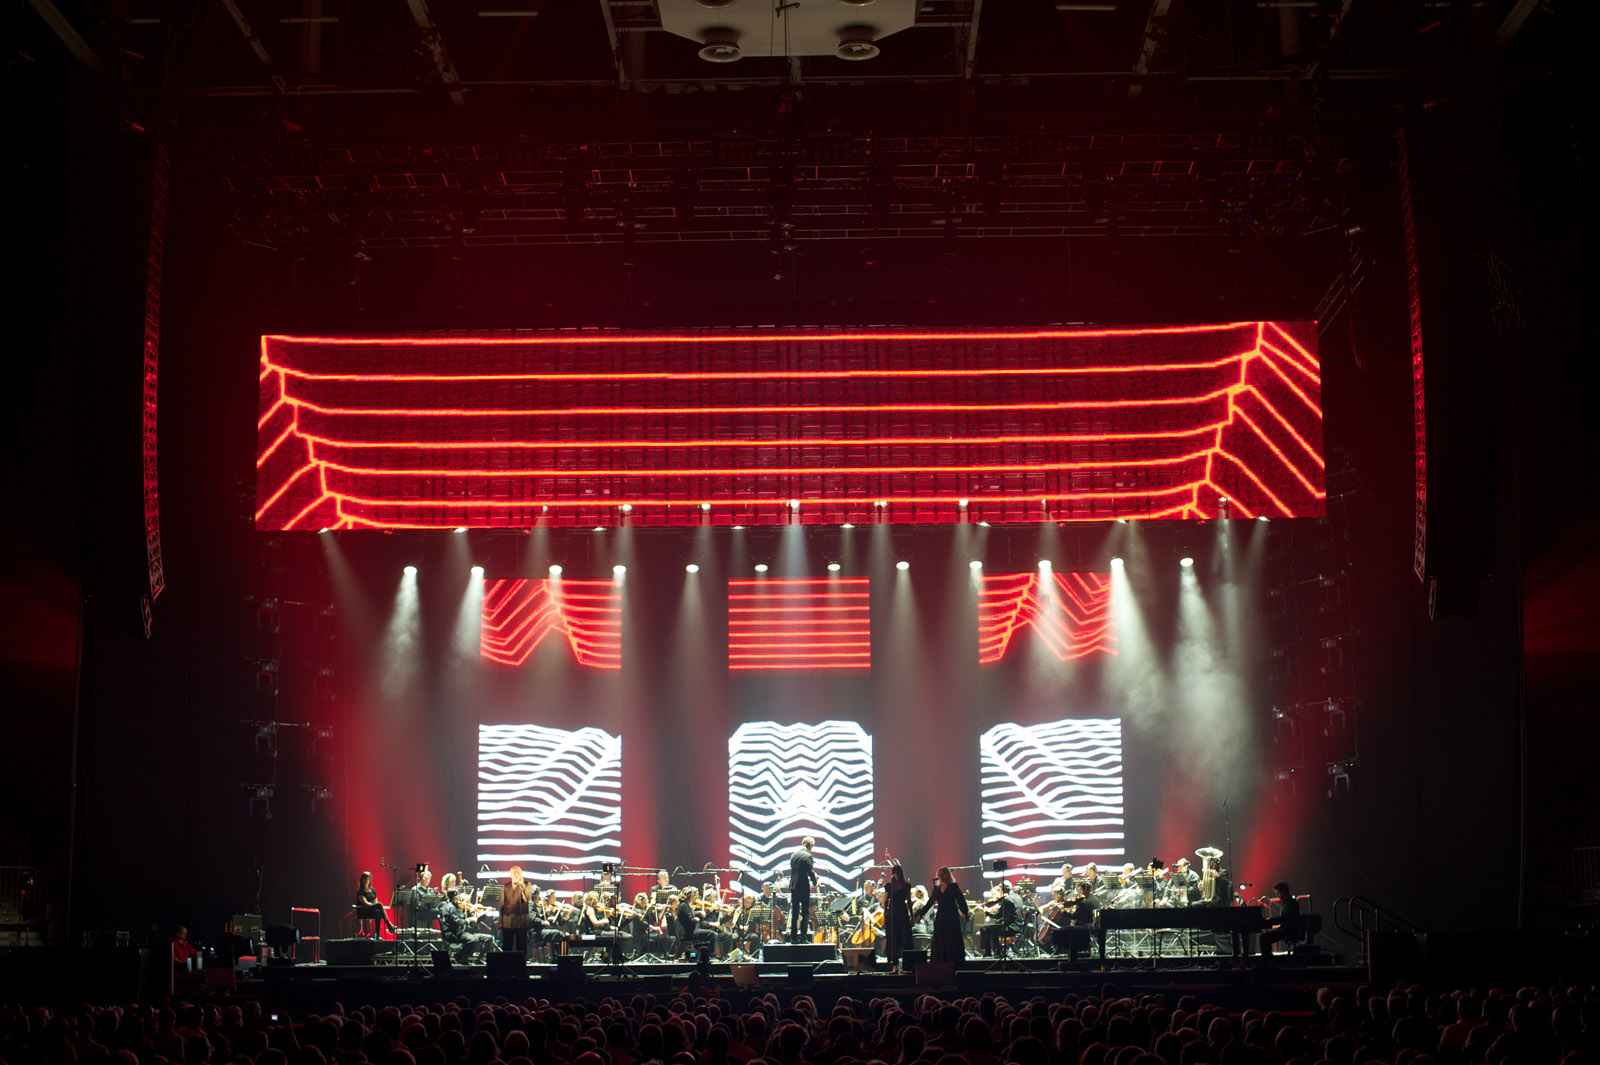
x=1071, y=612
x=519, y=614
x=729, y=427
x=800, y=623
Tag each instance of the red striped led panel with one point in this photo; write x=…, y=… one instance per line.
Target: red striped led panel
x=800, y=623
x=1071, y=612
x=519, y=614
x=729, y=427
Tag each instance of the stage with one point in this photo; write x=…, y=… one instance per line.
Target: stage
x=1287, y=984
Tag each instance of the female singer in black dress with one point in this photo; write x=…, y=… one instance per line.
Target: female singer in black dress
x=896, y=915
x=948, y=935
x=369, y=914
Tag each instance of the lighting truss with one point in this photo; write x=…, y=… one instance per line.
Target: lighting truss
x=519, y=613
x=786, y=782
x=800, y=623
x=1052, y=793
x=1071, y=612
x=565, y=428
x=548, y=797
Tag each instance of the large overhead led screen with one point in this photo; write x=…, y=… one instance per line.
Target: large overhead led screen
x=769, y=427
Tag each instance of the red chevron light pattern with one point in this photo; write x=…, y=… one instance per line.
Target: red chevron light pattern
x=1071, y=612
x=800, y=623
x=735, y=427
x=518, y=614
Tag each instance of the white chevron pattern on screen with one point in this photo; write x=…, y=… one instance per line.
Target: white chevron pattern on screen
x=786, y=782
x=548, y=797
x=1052, y=793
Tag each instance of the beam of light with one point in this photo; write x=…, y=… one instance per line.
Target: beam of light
x=519, y=614
x=1052, y=794
x=548, y=797
x=786, y=782
x=400, y=674
x=374, y=433
x=1210, y=727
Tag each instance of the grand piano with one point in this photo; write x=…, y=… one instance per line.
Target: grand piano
x=1241, y=921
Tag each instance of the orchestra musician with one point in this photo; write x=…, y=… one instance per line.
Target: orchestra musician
x=946, y=894
x=921, y=929
x=1080, y=919
x=1183, y=883
x=690, y=931
x=802, y=875
x=595, y=920
x=775, y=916
x=1288, y=928
x=454, y=928
x=516, y=914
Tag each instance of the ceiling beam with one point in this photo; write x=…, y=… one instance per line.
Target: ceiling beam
x=254, y=40
x=616, y=44
x=67, y=32
x=435, y=42
x=1159, y=9
x=972, y=39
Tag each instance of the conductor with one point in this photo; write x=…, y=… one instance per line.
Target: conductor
x=802, y=874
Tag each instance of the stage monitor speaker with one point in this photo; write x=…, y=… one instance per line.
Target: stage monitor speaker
x=569, y=969
x=506, y=965
x=745, y=975
x=352, y=951
x=798, y=975
x=910, y=959
x=859, y=959
x=799, y=952
x=940, y=974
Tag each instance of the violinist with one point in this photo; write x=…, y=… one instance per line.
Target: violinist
x=454, y=927
x=692, y=932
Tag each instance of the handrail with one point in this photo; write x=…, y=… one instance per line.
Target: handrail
x=1365, y=917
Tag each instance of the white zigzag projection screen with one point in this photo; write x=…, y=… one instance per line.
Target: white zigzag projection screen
x=1052, y=794
x=786, y=782
x=548, y=797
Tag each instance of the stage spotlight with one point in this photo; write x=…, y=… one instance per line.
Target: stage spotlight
x=626, y=508
x=975, y=564
x=761, y=567
x=555, y=571
x=962, y=503
x=738, y=528
x=881, y=503
x=983, y=525
x=1044, y=563
x=902, y=565
x=461, y=528
x=705, y=506
x=618, y=570
x=1122, y=521
x=1186, y=562
x=1116, y=563
x=599, y=528
x=411, y=571
x=847, y=525
x=691, y=568
x=477, y=571
x=833, y=567
x=1263, y=517
x=794, y=504
x=323, y=529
